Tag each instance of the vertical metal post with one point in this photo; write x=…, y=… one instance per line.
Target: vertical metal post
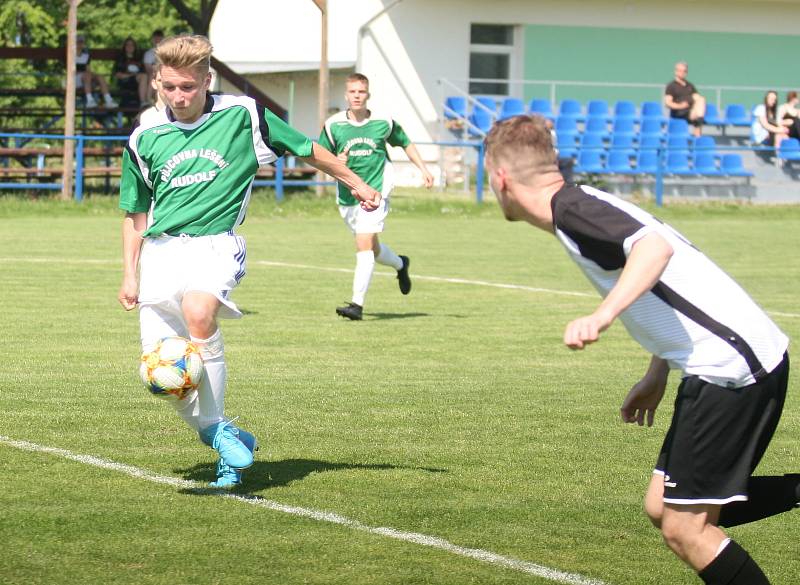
x=660, y=178
x=479, y=174
x=79, y=170
x=279, y=164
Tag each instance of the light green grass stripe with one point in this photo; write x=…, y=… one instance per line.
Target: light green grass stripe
x=319, y=515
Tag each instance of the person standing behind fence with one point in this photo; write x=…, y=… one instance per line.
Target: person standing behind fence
x=359, y=137
x=683, y=100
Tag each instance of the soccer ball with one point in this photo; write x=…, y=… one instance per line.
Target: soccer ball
x=173, y=368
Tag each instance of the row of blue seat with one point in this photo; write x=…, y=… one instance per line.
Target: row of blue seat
x=646, y=163
x=569, y=144
x=485, y=112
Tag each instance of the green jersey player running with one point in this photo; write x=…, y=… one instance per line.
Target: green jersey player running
x=187, y=176
x=359, y=137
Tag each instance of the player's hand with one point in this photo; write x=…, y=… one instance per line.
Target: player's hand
x=641, y=402
x=370, y=199
x=128, y=295
x=343, y=156
x=427, y=179
x=585, y=330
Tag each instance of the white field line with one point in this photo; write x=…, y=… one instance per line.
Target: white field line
x=484, y=556
x=350, y=271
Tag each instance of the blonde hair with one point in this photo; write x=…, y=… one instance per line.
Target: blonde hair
x=523, y=145
x=185, y=52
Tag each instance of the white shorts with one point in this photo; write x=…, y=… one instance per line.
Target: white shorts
x=172, y=266
x=365, y=222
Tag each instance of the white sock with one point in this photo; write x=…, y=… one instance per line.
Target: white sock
x=211, y=392
x=365, y=265
x=722, y=546
x=387, y=257
x=189, y=410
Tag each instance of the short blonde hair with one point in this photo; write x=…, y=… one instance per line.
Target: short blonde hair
x=185, y=52
x=523, y=145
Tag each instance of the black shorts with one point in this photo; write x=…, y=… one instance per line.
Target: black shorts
x=684, y=115
x=717, y=437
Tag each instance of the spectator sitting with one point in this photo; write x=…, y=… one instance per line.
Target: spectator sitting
x=149, y=61
x=130, y=75
x=766, y=129
x=86, y=79
x=683, y=100
x=789, y=115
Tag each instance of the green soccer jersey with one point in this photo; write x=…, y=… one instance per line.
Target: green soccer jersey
x=196, y=179
x=365, y=143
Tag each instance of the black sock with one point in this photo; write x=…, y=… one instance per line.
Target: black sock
x=767, y=496
x=733, y=566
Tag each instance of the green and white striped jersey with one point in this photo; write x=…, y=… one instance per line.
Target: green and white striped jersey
x=365, y=144
x=196, y=178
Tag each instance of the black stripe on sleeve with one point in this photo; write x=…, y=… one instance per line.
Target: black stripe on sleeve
x=263, y=128
x=725, y=333
x=597, y=227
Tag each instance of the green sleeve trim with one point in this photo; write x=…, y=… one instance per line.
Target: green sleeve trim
x=398, y=137
x=134, y=194
x=283, y=137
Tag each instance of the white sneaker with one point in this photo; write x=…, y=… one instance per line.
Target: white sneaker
x=110, y=103
x=90, y=102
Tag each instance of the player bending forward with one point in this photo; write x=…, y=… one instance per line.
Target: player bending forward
x=690, y=316
x=359, y=137
x=187, y=177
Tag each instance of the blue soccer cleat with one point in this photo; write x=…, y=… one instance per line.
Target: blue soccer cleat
x=227, y=476
x=224, y=438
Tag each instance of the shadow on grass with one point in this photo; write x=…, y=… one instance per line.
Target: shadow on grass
x=264, y=475
x=380, y=316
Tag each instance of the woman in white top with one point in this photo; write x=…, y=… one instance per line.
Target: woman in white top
x=767, y=129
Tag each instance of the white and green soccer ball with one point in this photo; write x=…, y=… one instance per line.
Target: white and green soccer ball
x=173, y=368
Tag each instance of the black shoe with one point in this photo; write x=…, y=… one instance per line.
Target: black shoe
x=403, y=279
x=351, y=310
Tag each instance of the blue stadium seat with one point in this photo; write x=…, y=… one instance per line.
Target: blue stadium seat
x=624, y=126
x=542, y=107
x=572, y=108
x=677, y=143
x=597, y=109
x=593, y=140
x=677, y=127
x=651, y=126
x=653, y=110
x=487, y=102
x=705, y=163
x=455, y=107
x=647, y=162
x=737, y=115
x=511, y=107
x=619, y=162
x=712, y=116
x=567, y=145
x=480, y=121
x=623, y=142
x=590, y=161
x=678, y=163
x=567, y=125
x=732, y=166
x=706, y=143
x=625, y=109
x=789, y=150
x=650, y=141
x=596, y=125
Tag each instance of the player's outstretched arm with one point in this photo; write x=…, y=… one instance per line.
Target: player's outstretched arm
x=641, y=402
x=645, y=264
x=329, y=164
x=414, y=157
x=133, y=225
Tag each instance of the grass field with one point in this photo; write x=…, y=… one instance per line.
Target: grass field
x=454, y=413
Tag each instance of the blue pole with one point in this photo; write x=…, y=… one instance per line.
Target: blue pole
x=479, y=174
x=79, y=170
x=660, y=178
x=279, y=179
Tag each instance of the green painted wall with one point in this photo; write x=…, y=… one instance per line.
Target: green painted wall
x=648, y=56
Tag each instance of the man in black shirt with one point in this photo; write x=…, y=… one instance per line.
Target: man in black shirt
x=683, y=100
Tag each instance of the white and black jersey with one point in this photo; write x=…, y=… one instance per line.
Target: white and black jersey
x=696, y=316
